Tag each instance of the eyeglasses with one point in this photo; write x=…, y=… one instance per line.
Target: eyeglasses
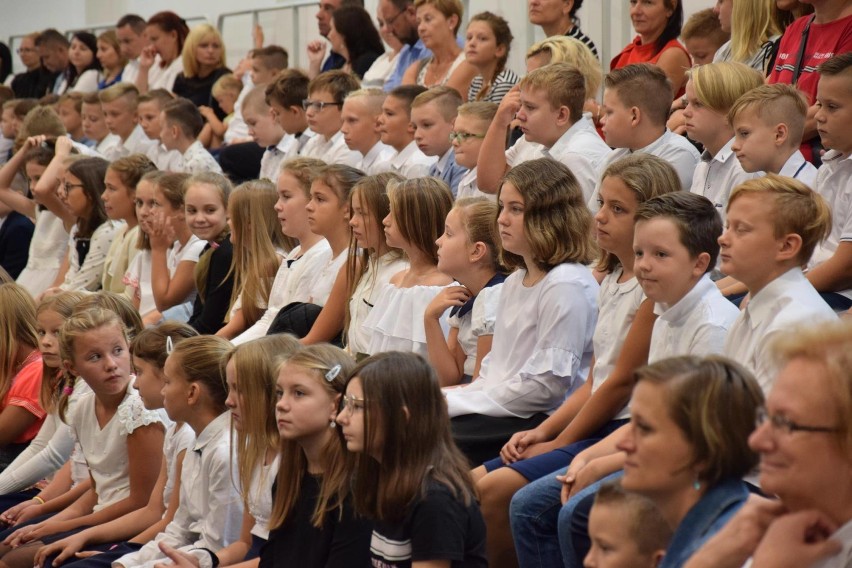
x=389, y=22
x=317, y=105
x=67, y=187
x=350, y=403
x=22, y=50
x=787, y=426
x=462, y=137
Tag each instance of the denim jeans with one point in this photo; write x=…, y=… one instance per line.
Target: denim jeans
x=539, y=523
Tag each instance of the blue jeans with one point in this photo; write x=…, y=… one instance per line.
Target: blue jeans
x=539, y=522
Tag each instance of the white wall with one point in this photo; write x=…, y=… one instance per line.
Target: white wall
x=606, y=21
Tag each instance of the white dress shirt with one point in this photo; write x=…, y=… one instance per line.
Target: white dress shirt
x=378, y=154
x=331, y=150
x=833, y=184
x=581, y=149
x=797, y=167
x=715, y=176
x=409, y=163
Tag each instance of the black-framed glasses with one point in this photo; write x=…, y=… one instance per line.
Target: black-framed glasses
x=317, y=105
x=351, y=403
x=67, y=187
x=22, y=50
x=783, y=424
x=462, y=137
x=389, y=22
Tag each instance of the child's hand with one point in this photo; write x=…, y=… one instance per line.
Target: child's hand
x=257, y=36
x=570, y=476
x=178, y=558
x=20, y=536
x=10, y=515
x=207, y=112
x=797, y=539
x=63, y=147
x=316, y=51
x=509, y=106
x=65, y=548
x=43, y=529
x=146, y=58
x=514, y=449
x=161, y=235
x=35, y=141
x=447, y=298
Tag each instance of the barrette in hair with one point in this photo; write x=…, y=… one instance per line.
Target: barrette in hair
x=170, y=346
x=332, y=373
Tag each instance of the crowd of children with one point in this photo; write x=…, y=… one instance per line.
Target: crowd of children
x=528, y=324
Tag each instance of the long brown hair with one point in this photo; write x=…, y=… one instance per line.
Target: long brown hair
x=17, y=328
x=403, y=405
x=63, y=304
x=318, y=360
x=419, y=207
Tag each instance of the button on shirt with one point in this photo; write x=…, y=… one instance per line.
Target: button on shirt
x=786, y=302
x=715, y=176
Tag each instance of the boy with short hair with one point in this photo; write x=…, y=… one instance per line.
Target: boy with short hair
x=433, y=114
x=702, y=35
x=360, y=128
x=150, y=108
x=768, y=124
x=265, y=131
x=266, y=63
x=322, y=109
x=284, y=97
x=94, y=125
x=626, y=530
x=636, y=103
x=831, y=271
x=119, y=104
x=774, y=223
x=181, y=123
x=70, y=109
x=397, y=132
x=549, y=108
x=675, y=241
x=226, y=90
x=469, y=129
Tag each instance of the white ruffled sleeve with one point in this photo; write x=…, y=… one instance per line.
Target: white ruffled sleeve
x=484, y=313
x=132, y=414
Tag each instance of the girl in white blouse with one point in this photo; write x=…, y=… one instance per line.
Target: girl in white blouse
x=418, y=208
x=369, y=268
x=468, y=252
x=149, y=350
x=121, y=440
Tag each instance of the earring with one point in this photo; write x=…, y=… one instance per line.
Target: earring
x=332, y=424
x=697, y=485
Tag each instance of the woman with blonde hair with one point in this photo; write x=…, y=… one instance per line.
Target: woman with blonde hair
x=560, y=49
x=111, y=59
x=203, y=59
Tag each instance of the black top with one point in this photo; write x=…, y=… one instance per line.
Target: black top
x=15, y=236
x=439, y=527
x=363, y=63
x=208, y=316
x=342, y=542
x=198, y=89
x=34, y=84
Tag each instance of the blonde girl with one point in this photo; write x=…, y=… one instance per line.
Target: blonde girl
x=753, y=30
x=328, y=216
x=467, y=251
x=119, y=197
x=408, y=476
x=206, y=206
x=418, y=208
x=194, y=392
x=174, y=249
x=251, y=370
x=259, y=249
x=21, y=414
x=621, y=341
x=369, y=268
x=149, y=350
x=297, y=274
x=487, y=49
x=121, y=441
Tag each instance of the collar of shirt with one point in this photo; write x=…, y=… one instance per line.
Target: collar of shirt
x=136, y=137
x=193, y=149
x=283, y=145
x=584, y=124
x=375, y=153
x=762, y=305
x=684, y=307
x=650, y=148
x=212, y=431
x=404, y=155
x=793, y=165
x=462, y=310
x=835, y=156
x=444, y=162
x=721, y=156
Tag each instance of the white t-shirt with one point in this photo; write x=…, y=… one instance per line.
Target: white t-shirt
x=365, y=296
x=324, y=281
x=477, y=322
x=164, y=77
x=138, y=277
x=542, y=346
x=48, y=247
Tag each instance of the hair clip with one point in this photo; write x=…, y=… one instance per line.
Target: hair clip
x=170, y=346
x=332, y=373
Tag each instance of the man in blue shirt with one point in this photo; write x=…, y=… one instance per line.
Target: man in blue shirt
x=400, y=18
x=323, y=15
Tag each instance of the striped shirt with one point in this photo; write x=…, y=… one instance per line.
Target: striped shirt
x=579, y=35
x=503, y=83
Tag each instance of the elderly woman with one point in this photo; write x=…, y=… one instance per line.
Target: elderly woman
x=657, y=24
x=804, y=438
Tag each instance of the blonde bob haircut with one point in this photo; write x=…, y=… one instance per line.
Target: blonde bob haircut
x=797, y=209
x=827, y=344
x=569, y=50
x=647, y=176
x=448, y=8
x=197, y=35
x=718, y=85
x=557, y=222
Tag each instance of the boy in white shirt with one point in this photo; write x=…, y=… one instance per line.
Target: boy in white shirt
x=831, y=270
x=149, y=108
x=360, y=128
x=768, y=125
x=265, y=131
x=774, y=223
x=397, y=132
x=181, y=123
x=326, y=93
x=94, y=125
x=119, y=104
x=266, y=63
x=676, y=244
x=636, y=104
x=284, y=97
x=433, y=114
x=468, y=132
x=549, y=107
